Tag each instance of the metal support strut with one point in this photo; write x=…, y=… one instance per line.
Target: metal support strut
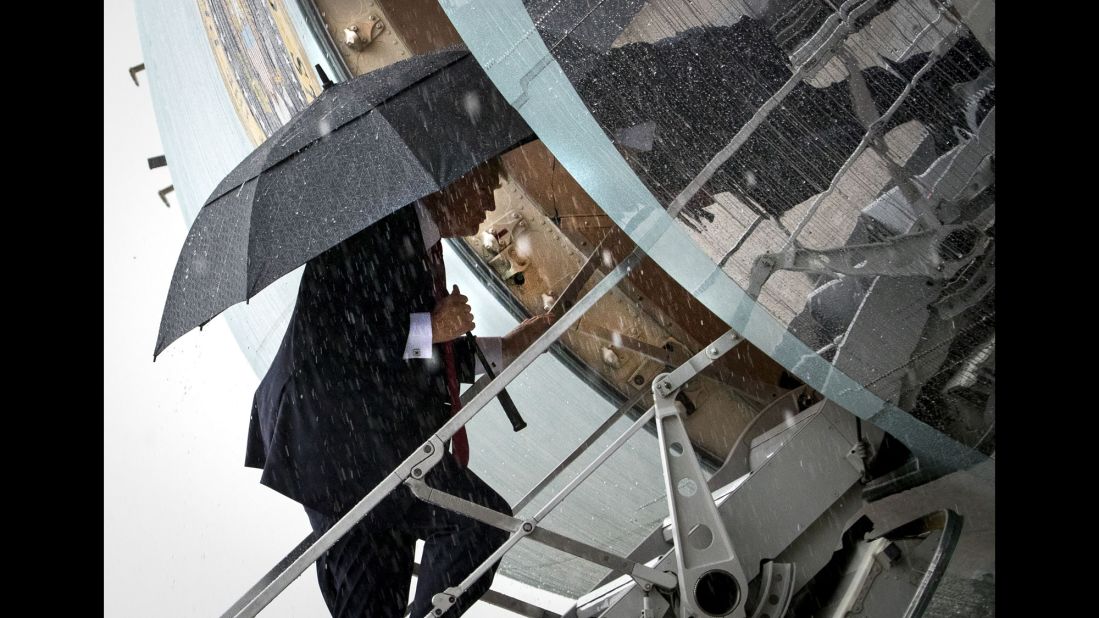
x=711, y=579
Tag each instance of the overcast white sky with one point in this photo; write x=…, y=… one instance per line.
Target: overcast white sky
x=187, y=528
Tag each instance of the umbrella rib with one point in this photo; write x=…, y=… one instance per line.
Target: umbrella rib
x=248, y=279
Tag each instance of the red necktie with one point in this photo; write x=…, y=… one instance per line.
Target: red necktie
x=460, y=443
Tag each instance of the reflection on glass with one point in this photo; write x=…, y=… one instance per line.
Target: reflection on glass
x=873, y=247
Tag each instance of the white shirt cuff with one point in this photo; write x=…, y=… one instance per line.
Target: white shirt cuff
x=493, y=347
x=419, y=336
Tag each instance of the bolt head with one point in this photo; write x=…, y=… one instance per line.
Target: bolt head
x=416, y=472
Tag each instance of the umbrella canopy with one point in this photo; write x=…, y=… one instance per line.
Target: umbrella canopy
x=363, y=149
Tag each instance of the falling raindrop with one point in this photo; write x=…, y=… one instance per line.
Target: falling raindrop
x=472, y=104
x=522, y=245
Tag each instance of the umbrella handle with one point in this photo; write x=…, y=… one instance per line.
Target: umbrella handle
x=517, y=422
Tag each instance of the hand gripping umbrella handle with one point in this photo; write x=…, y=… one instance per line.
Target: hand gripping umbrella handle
x=517, y=422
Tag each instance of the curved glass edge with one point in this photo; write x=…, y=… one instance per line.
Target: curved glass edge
x=504, y=39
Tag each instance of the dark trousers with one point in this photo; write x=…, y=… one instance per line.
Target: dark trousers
x=366, y=574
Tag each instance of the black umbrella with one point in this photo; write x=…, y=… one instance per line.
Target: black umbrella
x=363, y=149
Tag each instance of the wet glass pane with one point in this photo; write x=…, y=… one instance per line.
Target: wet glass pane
x=871, y=251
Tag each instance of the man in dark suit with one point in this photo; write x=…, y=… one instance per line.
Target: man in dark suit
x=360, y=381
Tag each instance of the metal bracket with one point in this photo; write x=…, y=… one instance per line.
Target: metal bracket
x=499, y=241
x=431, y=453
x=134, y=70
x=667, y=383
x=937, y=254
x=711, y=578
x=646, y=606
x=443, y=601
x=163, y=194
x=509, y=263
x=501, y=233
x=359, y=38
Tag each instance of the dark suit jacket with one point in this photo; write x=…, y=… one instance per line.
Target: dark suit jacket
x=339, y=408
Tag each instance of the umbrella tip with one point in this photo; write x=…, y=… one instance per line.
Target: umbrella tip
x=325, y=82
